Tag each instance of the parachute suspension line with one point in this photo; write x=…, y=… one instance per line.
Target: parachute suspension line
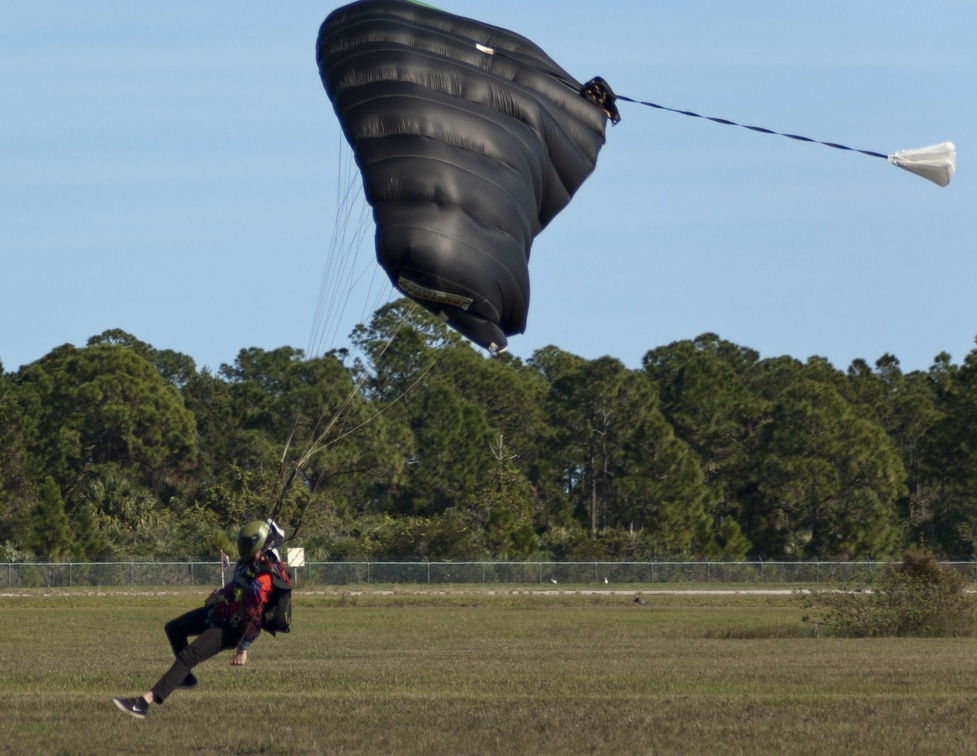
x=338, y=280
x=374, y=416
x=389, y=404
x=345, y=265
x=334, y=279
x=339, y=271
x=281, y=464
x=936, y=163
x=319, y=441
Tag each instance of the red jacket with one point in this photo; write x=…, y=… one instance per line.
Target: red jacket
x=241, y=603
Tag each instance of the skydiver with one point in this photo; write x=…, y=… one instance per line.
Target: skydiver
x=229, y=619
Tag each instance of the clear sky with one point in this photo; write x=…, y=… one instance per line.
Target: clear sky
x=174, y=170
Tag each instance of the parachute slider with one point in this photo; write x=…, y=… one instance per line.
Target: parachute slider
x=453, y=310
x=935, y=163
x=442, y=297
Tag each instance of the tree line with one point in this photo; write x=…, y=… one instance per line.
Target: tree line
x=427, y=448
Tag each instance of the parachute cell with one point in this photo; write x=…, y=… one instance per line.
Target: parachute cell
x=470, y=139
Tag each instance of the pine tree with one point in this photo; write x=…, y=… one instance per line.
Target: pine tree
x=50, y=534
x=88, y=543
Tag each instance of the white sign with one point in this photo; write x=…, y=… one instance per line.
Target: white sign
x=295, y=557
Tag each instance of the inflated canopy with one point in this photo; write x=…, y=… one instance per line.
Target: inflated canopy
x=470, y=140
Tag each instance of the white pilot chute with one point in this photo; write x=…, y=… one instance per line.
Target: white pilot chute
x=936, y=163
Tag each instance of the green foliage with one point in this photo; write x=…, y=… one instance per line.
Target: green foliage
x=500, y=517
x=424, y=446
x=407, y=536
x=16, y=487
x=450, y=451
x=198, y=535
x=733, y=545
x=103, y=406
x=919, y=597
x=90, y=543
x=175, y=368
x=50, y=534
x=830, y=479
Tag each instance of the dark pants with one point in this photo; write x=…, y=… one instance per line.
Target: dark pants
x=209, y=642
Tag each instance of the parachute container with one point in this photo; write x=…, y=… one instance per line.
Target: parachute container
x=470, y=140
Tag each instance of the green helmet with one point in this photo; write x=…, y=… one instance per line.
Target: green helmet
x=252, y=538
x=258, y=535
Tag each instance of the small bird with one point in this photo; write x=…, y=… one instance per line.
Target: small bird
x=639, y=601
x=553, y=581
x=605, y=581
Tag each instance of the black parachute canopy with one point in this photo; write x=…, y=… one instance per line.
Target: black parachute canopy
x=470, y=140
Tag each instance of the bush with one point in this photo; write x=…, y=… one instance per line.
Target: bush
x=919, y=597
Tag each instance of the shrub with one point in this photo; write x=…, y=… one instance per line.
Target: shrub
x=919, y=597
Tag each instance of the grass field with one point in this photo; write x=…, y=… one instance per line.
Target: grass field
x=478, y=672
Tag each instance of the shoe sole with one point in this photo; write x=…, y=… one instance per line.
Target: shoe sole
x=131, y=712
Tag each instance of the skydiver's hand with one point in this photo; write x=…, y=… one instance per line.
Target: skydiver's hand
x=212, y=598
x=240, y=658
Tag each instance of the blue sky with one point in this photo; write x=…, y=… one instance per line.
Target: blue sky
x=175, y=171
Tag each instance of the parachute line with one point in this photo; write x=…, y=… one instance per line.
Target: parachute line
x=936, y=163
x=319, y=441
x=343, y=270
x=758, y=129
x=347, y=264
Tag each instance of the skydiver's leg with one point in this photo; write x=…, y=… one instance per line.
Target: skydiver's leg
x=177, y=632
x=180, y=629
x=208, y=643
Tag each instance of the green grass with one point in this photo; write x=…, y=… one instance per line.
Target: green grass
x=453, y=671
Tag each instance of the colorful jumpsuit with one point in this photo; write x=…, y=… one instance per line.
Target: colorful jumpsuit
x=232, y=621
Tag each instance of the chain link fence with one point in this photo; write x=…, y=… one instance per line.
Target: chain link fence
x=366, y=572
